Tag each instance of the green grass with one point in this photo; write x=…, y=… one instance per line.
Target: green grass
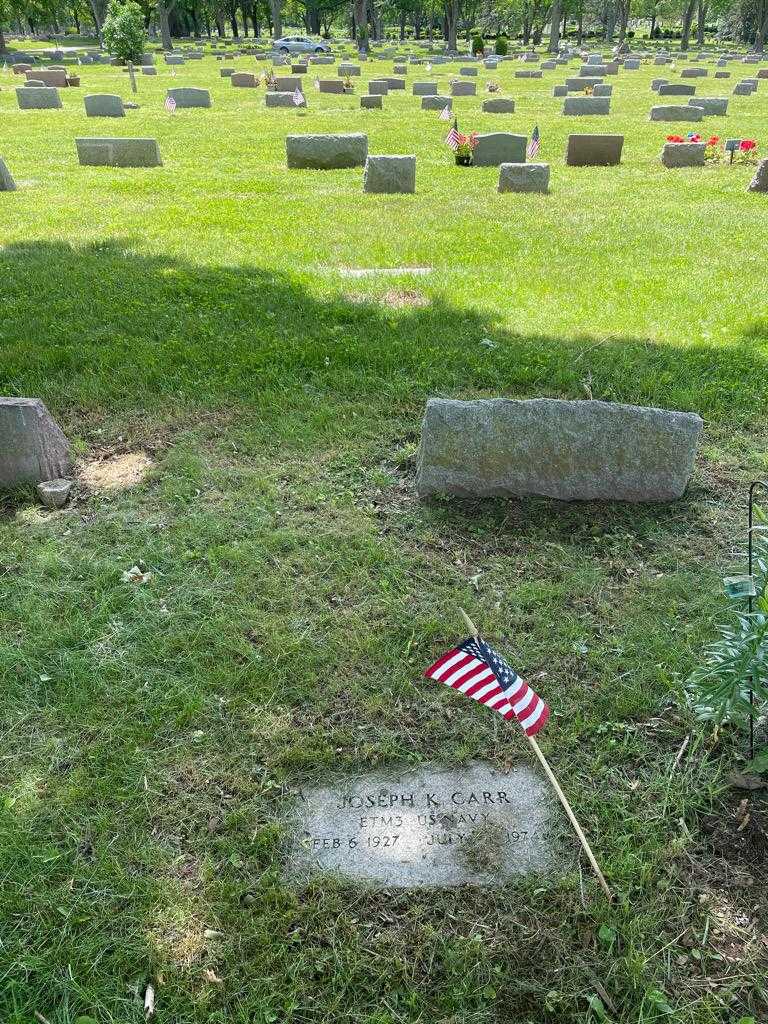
x=152, y=734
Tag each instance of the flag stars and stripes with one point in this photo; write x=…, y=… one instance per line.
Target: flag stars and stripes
x=475, y=669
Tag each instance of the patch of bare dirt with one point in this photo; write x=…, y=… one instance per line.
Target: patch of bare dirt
x=402, y=298
x=115, y=473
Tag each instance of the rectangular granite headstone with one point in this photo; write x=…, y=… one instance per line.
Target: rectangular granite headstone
x=428, y=827
x=592, y=451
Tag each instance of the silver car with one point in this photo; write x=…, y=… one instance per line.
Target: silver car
x=300, y=44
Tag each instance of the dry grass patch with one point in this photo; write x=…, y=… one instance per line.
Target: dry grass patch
x=115, y=473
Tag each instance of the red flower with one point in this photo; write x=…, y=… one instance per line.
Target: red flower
x=714, y=140
x=695, y=137
x=674, y=138
x=747, y=144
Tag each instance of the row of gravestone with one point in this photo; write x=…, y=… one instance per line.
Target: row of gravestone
x=392, y=173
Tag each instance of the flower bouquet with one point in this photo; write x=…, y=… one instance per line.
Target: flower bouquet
x=465, y=146
x=747, y=152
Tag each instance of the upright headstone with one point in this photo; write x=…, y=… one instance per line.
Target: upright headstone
x=390, y=174
x=759, y=182
x=7, y=184
x=32, y=445
x=103, y=105
x=593, y=451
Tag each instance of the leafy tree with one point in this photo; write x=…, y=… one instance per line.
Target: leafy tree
x=123, y=31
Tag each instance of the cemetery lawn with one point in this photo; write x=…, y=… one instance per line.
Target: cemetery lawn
x=153, y=734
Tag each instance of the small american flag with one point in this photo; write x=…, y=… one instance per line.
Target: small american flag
x=170, y=104
x=535, y=144
x=445, y=113
x=298, y=97
x=476, y=670
x=452, y=138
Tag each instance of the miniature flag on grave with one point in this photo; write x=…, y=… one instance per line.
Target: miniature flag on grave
x=452, y=138
x=170, y=104
x=475, y=669
x=298, y=97
x=535, y=144
x=445, y=113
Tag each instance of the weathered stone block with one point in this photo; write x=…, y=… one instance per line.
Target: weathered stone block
x=280, y=99
x=560, y=90
x=38, y=98
x=713, y=106
x=463, y=88
x=586, y=106
x=594, y=150
x=499, y=105
x=759, y=182
x=424, y=88
x=378, y=87
x=436, y=102
x=371, y=102
x=676, y=89
x=494, y=148
x=670, y=113
x=286, y=83
x=683, y=154
x=396, y=84
x=32, y=445
x=390, y=174
x=468, y=72
x=331, y=85
x=580, y=84
x=326, y=152
x=602, y=90
x=693, y=73
x=556, y=449
x=104, y=105
x=243, y=80
x=50, y=76
x=523, y=177
x=118, y=152
x=353, y=70
x=7, y=184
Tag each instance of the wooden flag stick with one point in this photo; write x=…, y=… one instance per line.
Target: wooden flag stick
x=556, y=786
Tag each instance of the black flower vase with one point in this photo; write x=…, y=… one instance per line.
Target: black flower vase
x=463, y=160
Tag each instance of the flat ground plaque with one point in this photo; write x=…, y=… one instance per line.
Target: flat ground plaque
x=428, y=827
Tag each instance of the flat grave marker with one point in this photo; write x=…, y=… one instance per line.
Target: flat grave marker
x=431, y=826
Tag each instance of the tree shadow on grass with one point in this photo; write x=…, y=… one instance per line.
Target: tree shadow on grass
x=103, y=326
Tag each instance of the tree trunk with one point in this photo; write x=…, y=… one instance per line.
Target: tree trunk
x=233, y=21
x=624, y=19
x=701, y=23
x=580, y=27
x=276, y=7
x=687, y=22
x=360, y=11
x=244, y=10
x=451, y=23
x=610, y=24
x=762, y=26
x=2, y=40
x=219, y=23
x=402, y=26
x=653, y=23
x=554, y=32
x=164, y=10
x=98, y=9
